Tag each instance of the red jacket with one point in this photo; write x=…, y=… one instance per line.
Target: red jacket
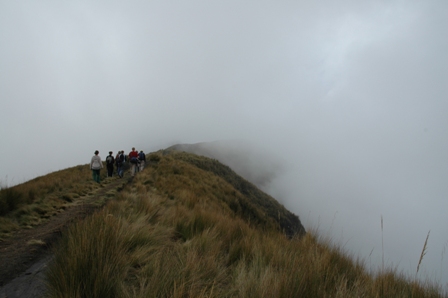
x=133, y=154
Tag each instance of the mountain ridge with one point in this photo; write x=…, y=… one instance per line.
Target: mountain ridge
x=288, y=221
x=189, y=226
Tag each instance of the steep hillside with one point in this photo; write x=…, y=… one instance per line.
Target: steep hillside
x=248, y=199
x=188, y=226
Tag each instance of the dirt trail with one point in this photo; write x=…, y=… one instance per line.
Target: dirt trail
x=22, y=264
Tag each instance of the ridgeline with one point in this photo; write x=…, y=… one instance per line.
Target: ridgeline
x=189, y=226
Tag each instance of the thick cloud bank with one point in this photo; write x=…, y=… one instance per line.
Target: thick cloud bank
x=347, y=100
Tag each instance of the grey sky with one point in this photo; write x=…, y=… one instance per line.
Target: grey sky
x=349, y=96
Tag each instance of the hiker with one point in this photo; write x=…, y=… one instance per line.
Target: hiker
x=119, y=160
x=96, y=165
x=133, y=159
x=110, y=164
x=137, y=166
x=142, y=158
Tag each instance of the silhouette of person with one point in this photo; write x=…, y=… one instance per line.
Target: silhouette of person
x=133, y=159
x=110, y=164
x=142, y=158
x=96, y=165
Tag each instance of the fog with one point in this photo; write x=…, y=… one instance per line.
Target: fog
x=344, y=103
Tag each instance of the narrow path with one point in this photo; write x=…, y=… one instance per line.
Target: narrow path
x=24, y=256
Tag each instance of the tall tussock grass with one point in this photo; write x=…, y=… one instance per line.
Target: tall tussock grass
x=10, y=199
x=98, y=272
x=172, y=236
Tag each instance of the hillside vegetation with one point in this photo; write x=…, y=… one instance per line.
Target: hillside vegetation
x=188, y=226
x=34, y=202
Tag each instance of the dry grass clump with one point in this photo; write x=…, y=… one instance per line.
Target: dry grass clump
x=10, y=199
x=90, y=260
x=37, y=242
x=6, y=226
x=178, y=237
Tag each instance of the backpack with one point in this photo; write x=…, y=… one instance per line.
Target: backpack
x=119, y=159
x=134, y=160
x=110, y=159
x=141, y=156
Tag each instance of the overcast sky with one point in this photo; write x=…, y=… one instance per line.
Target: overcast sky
x=349, y=97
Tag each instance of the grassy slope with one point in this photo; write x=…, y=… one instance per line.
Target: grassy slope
x=188, y=227
x=251, y=195
x=36, y=201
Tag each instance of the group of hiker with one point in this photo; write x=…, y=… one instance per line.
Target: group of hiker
x=135, y=159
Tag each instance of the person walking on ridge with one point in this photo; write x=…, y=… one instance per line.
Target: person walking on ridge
x=133, y=159
x=110, y=164
x=96, y=165
x=142, y=158
x=137, y=166
x=119, y=159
